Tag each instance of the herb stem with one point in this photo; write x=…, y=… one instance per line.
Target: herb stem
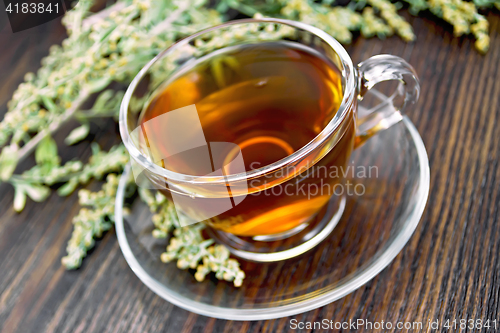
x=89, y=114
x=54, y=126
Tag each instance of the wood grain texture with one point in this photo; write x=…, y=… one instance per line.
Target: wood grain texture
x=450, y=269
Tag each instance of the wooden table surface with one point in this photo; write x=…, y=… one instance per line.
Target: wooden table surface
x=450, y=269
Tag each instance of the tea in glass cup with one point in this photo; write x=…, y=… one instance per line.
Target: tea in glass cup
x=248, y=127
x=270, y=100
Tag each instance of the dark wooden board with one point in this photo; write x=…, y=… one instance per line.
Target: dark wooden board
x=450, y=269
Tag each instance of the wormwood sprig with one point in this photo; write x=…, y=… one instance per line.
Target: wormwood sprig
x=48, y=171
x=189, y=248
x=338, y=21
x=100, y=164
x=381, y=17
x=96, y=217
x=112, y=48
x=462, y=15
x=375, y=25
x=187, y=244
x=35, y=182
x=165, y=218
x=389, y=12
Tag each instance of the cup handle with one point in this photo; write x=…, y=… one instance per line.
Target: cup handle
x=384, y=68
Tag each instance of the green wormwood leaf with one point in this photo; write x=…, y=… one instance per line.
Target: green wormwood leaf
x=78, y=134
x=8, y=161
x=46, y=152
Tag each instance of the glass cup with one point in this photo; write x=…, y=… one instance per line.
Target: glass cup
x=275, y=211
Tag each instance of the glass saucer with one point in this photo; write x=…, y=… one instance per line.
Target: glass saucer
x=375, y=226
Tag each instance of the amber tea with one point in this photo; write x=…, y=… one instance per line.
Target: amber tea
x=270, y=99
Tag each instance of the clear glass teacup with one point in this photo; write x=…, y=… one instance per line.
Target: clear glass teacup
x=248, y=128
